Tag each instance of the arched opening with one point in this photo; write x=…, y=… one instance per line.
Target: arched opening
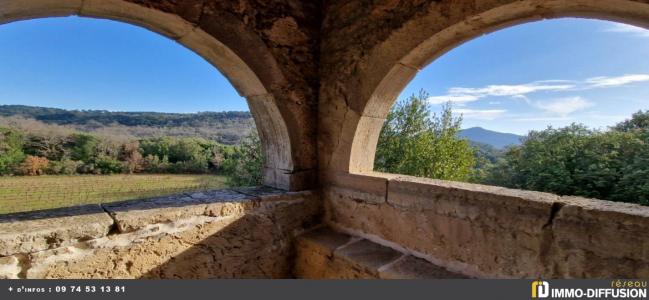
x=250, y=79
x=469, y=228
x=547, y=113
x=400, y=71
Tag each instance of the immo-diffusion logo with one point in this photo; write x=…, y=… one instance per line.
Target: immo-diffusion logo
x=621, y=289
x=540, y=289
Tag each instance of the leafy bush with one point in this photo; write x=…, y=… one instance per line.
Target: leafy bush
x=188, y=167
x=50, y=147
x=84, y=147
x=131, y=156
x=11, y=153
x=244, y=165
x=63, y=167
x=575, y=160
x=154, y=164
x=108, y=165
x=32, y=166
x=186, y=150
x=158, y=147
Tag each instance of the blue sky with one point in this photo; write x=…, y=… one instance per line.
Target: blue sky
x=544, y=73
x=82, y=63
x=524, y=77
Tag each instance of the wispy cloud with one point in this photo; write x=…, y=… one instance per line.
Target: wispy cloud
x=508, y=89
x=603, y=81
x=542, y=119
x=563, y=107
x=478, y=114
x=630, y=29
x=452, y=98
x=463, y=95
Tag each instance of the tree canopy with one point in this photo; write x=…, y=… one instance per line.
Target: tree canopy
x=575, y=160
x=415, y=141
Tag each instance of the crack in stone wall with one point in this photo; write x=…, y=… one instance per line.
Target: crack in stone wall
x=492, y=232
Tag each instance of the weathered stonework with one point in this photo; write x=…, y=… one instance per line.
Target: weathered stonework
x=320, y=78
x=214, y=234
x=485, y=231
x=134, y=215
x=37, y=231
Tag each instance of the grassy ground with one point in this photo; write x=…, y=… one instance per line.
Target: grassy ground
x=27, y=193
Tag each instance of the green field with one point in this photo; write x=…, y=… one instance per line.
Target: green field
x=27, y=193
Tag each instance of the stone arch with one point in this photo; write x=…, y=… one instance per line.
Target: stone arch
x=390, y=65
x=224, y=42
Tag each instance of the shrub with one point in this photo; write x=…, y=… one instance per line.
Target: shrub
x=63, y=167
x=84, y=147
x=245, y=165
x=11, y=153
x=189, y=166
x=88, y=168
x=575, y=160
x=32, y=166
x=131, y=156
x=108, y=165
x=216, y=162
x=153, y=164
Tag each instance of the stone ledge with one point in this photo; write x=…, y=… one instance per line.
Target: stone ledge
x=419, y=192
x=366, y=257
x=365, y=187
x=41, y=230
x=266, y=193
x=36, y=231
x=133, y=215
x=410, y=267
x=325, y=239
x=327, y=254
x=212, y=234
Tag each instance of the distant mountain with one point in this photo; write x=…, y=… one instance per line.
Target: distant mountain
x=495, y=139
x=225, y=127
x=104, y=117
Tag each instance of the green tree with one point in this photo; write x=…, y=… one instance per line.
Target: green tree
x=131, y=156
x=84, y=147
x=11, y=152
x=158, y=147
x=244, y=165
x=575, y=160
x=186, y=149
x=633, y=186
x=638, y=121
x=51, y=147
x=416, y=142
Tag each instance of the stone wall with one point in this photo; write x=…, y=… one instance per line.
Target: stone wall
x=492, y=232
x=247, y=233
x=279, y=41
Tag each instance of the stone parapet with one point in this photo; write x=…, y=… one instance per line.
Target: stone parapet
x=243, y=233
x=493, y=232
